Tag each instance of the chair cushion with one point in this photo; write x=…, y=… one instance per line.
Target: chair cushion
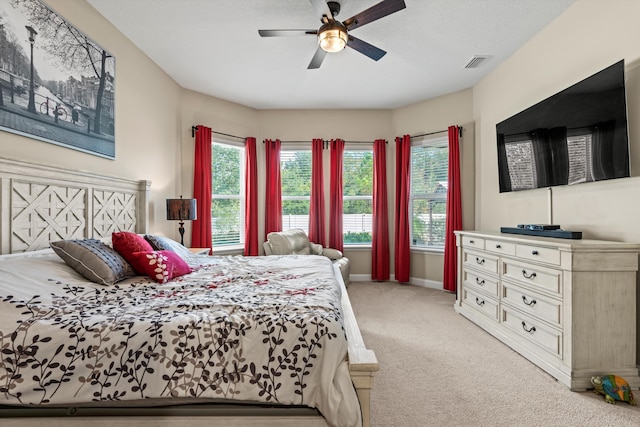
x=316, y=249
x=290, y=242
x=296, y=242
x=332, y=253
x=343, y=264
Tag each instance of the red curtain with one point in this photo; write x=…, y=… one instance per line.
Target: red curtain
x=201, y=227
x=273, y=202
x=251, y=198
x=335, y=206
x=380, y=235
x=402, y=225
x=316, y=207
x=454, y=211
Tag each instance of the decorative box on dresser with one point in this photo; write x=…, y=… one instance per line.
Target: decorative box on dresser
x=569, y=306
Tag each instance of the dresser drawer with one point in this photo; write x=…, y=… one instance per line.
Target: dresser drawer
x=498, y=247
x=480, y=261
x=547, y=309
x=483, y=304
x=533, y=330
x=533, y=275
x=476, y=280
x=473, y=242
x=538, y=253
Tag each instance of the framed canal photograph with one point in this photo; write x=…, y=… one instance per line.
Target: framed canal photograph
x=56, y=84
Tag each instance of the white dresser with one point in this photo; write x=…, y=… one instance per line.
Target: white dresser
x=569, y=306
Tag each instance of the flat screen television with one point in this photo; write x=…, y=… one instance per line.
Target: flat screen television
x=577, y=135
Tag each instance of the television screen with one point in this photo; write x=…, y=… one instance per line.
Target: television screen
x=577, y=135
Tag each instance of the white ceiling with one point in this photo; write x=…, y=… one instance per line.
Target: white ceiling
x=213, y=47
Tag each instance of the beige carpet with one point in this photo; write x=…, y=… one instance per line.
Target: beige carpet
x=439, y=369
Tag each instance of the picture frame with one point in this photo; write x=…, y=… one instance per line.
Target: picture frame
x=56, y=84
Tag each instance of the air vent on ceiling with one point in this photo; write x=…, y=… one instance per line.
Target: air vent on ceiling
x=477, y=61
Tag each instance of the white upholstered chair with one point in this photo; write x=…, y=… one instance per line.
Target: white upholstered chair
x=296, y=242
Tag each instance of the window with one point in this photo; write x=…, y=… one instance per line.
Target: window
x=428, y=199
x=227, y=198
x=357, y=197
x=580, y=152
x=521, y=161
x=295, y=175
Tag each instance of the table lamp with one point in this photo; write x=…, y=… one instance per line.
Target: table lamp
x=181, y=210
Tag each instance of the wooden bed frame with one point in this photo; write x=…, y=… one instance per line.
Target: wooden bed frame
x=40, y=203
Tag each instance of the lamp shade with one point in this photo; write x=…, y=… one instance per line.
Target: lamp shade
x=181, y=209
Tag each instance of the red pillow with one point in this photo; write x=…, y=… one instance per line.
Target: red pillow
x=161, y=266
x=126, y=243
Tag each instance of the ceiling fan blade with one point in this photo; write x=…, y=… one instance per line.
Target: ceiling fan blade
x=322, y=9
x=365, y=48
x=317, y=59
x=286, y=33
x=380, y=10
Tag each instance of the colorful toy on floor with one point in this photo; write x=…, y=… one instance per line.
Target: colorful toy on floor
x=613, y=388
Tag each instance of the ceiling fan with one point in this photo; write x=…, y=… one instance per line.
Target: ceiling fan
x=333, y=35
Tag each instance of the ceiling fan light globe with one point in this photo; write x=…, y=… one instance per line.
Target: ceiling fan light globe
x=332, y=38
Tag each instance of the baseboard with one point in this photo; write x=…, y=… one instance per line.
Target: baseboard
x=431, y=284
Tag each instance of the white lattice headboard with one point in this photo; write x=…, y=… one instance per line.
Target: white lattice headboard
x=41, y=203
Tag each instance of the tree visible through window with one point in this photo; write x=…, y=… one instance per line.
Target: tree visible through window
x=295, y=175
x=357, y=197
x=227, y=188
x=295, y=169
x=428, y=199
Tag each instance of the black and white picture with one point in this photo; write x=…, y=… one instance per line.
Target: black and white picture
x=56, y=85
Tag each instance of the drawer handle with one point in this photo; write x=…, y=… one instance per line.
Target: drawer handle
x=479, y=302
x=528, y=276
x=479, y=282
x=498, y=246
x=532, y=302
x=479, y=261
x=531, y=330
x=472, y=241
x=534, y=253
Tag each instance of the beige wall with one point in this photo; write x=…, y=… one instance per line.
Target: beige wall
x=222, y=116
x=154, y=116
x=350, y=125
x=432, y=116
x=588, y=37
x=147, y=120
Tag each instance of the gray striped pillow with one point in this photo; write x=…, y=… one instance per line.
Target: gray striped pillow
x=94, y=260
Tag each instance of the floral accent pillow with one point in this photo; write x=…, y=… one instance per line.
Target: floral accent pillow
x=161, y=266
x=126, y=243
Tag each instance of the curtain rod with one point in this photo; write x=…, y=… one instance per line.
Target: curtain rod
x=436, y=132
x=194, y=129
x=325, y=141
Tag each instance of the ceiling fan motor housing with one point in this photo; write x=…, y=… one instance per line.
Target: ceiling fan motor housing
x=334, y=7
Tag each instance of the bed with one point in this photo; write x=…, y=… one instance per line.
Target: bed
x=234, y=340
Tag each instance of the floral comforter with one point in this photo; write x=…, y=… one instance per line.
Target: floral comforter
x=262, y=329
